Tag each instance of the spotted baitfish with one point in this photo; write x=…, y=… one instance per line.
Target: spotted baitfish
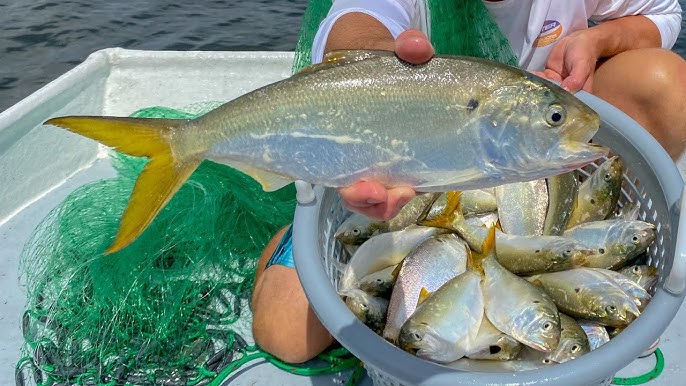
x=362, y=115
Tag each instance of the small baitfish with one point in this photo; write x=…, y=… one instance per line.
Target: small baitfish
x=362, y=115
x=371, y=310
x=598, y=195
x=585, y=293
x=428, y=266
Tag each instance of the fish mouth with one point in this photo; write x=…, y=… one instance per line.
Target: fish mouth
x=579, y=154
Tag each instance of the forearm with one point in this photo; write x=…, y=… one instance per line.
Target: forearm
x=358, y=30
x=630, y=32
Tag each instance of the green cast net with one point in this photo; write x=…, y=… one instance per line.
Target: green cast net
x=173, y=308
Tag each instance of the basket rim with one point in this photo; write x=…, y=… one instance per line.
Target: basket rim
x=388, y=359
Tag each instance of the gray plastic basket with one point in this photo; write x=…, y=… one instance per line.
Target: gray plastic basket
x=651, y=179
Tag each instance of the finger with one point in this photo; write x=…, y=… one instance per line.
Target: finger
x=363, y=194
x=414, y=47
x=578, y=75
x=397, y=198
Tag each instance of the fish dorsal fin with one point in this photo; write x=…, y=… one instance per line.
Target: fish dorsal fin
x=450, y=212
x=341, y=57
x=423, y=295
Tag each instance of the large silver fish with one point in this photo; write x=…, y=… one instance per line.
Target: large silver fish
x=363, y=115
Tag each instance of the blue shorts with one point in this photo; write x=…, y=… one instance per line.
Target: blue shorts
x=283, y=254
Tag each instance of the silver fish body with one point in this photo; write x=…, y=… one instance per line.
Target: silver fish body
x=358, y=228
x=522, y=207
x=639, y=294
x=616, y=241
x=493, y=344
x=338, y=123
x=380, y=252
x=598, y=195
x=379, y=283
x=444, y=327
x=562, y=191
x=596, y=333
x=371, y=310
x=587, y=294
x=573, y=341
x=644, y=275
x=519, y=309
x=430, y=265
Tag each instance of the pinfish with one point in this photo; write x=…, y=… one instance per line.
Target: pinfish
x=562, y=191
x=635, y=291
x=522, y=207
x=358, y=228
x=444, y=327
x=598, y=195
x=382, y=251
x=363, y=115
x=380, y=283
x=596, y=333
x=371, y=310
x=522, y=255
x=493, y=344
x=587, y=294
x=616, y=241
x=573, y=341
x=517, y=307
x=432, y=263
x=644, y=275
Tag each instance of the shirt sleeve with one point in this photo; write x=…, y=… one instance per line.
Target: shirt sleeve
x=666, y=14
x=396, y=15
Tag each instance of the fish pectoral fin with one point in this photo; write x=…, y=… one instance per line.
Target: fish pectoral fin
x=423, y=295
x=270, y=181
x=341, y=57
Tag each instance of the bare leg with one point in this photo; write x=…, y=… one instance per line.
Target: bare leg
x=649, y=85
x=283, y=321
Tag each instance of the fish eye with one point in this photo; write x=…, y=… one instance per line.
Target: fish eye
x=416, y=336
x=611, y=309
x=567, y=253
x=547, y=326
x=636, y=269
x=575, y=348
x=546, y=361
x=635, y=239
x=363, y=306
x=608, y=177
x=355, y=231
x=555, y=115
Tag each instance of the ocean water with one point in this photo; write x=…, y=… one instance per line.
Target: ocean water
x=40, y=40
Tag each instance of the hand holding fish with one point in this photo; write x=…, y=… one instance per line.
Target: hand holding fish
x=370, y=197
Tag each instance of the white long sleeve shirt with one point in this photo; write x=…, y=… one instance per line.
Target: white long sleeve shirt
x=531, y=26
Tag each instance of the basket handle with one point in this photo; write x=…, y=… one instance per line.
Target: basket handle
x=304, y=192
x=676, y=281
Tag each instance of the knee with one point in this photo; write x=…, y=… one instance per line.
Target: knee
x=284, y=325
x=649, y=76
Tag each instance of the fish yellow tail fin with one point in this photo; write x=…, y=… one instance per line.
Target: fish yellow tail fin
x=162, y=176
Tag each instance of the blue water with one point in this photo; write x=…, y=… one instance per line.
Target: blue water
x=40, y=40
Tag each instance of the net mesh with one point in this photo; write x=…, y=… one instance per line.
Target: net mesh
x=163, y=308
x=172, y=308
